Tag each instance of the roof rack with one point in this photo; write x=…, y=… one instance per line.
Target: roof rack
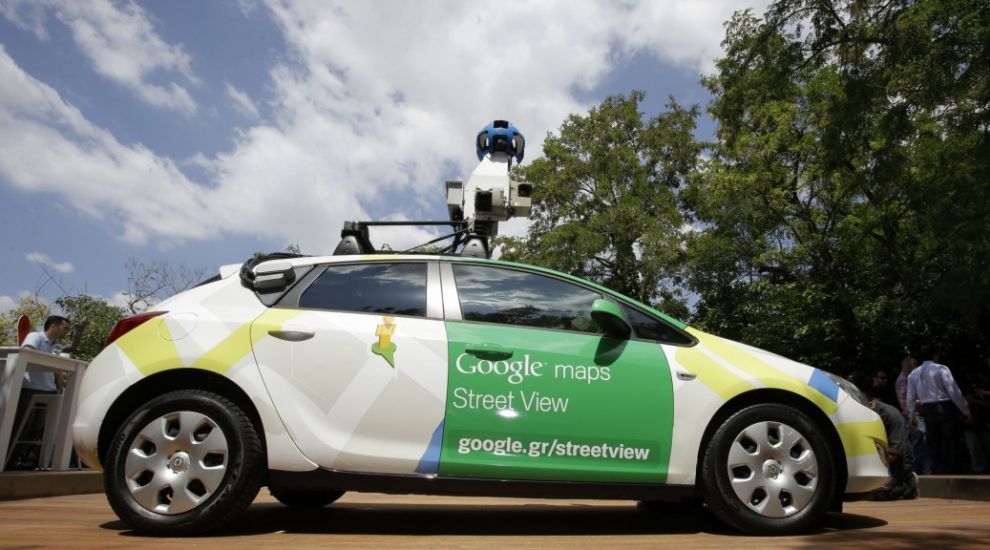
x=355, y=238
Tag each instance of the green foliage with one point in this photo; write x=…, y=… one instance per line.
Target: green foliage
x=30, y=305
x=604, y=200
x=92, y=319
x=846, y=199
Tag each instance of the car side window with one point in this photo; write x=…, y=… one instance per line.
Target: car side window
x=392, y=289
x=649, y=328
x=512, y=297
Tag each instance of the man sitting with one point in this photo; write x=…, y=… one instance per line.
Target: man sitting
x=903, y=483
x=55, y=328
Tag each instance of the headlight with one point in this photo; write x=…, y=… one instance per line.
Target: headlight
x=850, y=388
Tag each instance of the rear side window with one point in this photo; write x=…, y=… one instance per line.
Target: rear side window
x=510, y=297
x=393, y=289
x=649, y=328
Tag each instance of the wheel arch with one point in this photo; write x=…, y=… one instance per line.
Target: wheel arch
x=782, y=397
x=171, y=380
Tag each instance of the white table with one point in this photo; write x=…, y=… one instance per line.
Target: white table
x=14, y=362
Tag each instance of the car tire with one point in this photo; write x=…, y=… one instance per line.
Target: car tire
x=305, y=499
x=183, y=463
x=768, y=470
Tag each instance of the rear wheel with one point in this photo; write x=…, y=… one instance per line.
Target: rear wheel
x=768, y=470
x=185, y=462
x=304, y=499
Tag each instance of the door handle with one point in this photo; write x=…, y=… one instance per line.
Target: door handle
x=489, y=350
x=292, y=335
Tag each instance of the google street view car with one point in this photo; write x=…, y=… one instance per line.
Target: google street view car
x=454, y=374
x=444, y=375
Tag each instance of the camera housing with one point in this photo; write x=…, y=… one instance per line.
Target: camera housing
x=492, y=194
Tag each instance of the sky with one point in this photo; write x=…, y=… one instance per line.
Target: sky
x=198, y=133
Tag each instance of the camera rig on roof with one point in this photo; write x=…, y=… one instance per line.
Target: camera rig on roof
x=490, y=195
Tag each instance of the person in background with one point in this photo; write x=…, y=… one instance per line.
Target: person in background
x=977, y=433
x=915, y=428
x=881, y=389
x=54, y=329
x=932, y=386
x=908, y=364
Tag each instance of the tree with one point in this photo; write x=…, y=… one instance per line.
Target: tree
x=92, y=319
x=845, y=202
x=604, y=200
x=151, y=282
x=31, y=305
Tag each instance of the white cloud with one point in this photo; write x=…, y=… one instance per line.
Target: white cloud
x=45, y=260
x=7, y=303
x=120, y=41
x=688, y=33
x=249, y=7
x=47, y=145
x=119, y=299
x=376, y=105
x=26, y=14
x=242, y=101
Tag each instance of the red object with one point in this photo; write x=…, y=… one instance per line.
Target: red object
x=23, y=328
x=128, y=324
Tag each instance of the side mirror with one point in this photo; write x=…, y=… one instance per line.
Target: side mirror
x=608, y=316
x=273, y=276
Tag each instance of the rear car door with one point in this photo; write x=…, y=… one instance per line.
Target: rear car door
x=536, y=391
x=356, y=365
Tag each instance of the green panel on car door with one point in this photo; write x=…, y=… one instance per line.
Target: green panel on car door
x=564, y=406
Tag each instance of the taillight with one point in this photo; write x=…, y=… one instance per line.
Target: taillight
x=128, y=324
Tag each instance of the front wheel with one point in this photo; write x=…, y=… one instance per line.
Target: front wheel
x=769, y=470
x=184, y=462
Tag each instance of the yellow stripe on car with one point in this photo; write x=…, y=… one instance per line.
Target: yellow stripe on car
x=150, y=347
x=716, y=377
x=762, y=371
x=234, y=347
x=860, y=438
x=227, y=353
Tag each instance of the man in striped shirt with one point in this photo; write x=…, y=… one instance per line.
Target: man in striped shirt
x=933, y=386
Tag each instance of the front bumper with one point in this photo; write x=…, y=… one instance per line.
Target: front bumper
x=864, y=442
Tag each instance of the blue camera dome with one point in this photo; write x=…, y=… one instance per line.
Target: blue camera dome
x=500, y=137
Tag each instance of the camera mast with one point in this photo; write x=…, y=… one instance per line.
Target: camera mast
x=490, y=195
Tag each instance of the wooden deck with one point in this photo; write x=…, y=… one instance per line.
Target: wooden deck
x=388, y=522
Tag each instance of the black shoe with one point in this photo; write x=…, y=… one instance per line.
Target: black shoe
x=892, y=491
x=911, y=492
x=887, y=493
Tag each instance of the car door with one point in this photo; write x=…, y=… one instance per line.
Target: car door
x=536, y=391
x=356, y=365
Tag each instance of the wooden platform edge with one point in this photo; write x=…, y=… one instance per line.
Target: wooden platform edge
x=22, y=485
x=35, y=484
x=955, y=487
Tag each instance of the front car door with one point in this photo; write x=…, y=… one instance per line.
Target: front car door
x=356, y=365
x=537, y=392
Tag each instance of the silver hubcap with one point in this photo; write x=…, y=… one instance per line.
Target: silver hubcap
x=176, y=462
x=772, y=469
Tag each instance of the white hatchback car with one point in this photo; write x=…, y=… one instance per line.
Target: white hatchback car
x=447, y=375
